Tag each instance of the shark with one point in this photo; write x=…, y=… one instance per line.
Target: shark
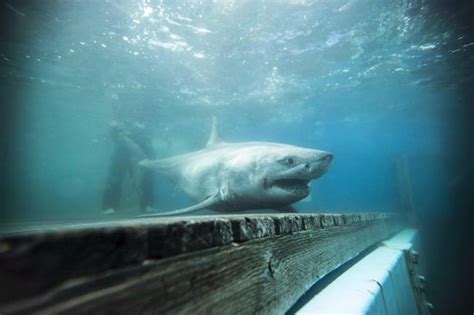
x=237, y=176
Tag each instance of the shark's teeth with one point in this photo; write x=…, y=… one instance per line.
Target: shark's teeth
x=298, y=186
x=266, y=183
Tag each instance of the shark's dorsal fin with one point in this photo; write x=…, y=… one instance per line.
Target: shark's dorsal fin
x=214, y=137
x=208, y=202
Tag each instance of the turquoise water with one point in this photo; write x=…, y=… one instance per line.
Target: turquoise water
x=373, y=82
x=369, y=81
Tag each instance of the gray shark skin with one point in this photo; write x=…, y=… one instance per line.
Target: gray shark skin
x=229, y=177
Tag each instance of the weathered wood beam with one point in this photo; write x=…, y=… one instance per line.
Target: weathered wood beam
x=206, y=264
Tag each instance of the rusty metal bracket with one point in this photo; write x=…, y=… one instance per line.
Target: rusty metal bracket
x=418, y=282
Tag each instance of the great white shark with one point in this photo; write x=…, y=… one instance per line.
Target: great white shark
x=227, y=177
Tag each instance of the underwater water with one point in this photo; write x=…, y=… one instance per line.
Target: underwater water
x=385, y=86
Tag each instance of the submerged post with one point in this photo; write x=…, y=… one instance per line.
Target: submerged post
x=405, y=190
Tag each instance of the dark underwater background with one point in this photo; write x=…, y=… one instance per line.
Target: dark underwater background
x=386, y=86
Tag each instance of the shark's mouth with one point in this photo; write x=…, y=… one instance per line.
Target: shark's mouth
x=296, y=186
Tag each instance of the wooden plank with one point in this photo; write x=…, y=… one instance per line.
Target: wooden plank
x=208, y=264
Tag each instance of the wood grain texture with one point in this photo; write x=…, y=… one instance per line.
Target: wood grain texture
x=201, y=265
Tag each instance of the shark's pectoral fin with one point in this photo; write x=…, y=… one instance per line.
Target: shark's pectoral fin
x=206, y=203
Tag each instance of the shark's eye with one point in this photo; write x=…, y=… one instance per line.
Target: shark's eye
x=290, y=161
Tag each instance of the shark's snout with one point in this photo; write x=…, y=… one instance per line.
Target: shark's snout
x=320, y=165
x=326, y=158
